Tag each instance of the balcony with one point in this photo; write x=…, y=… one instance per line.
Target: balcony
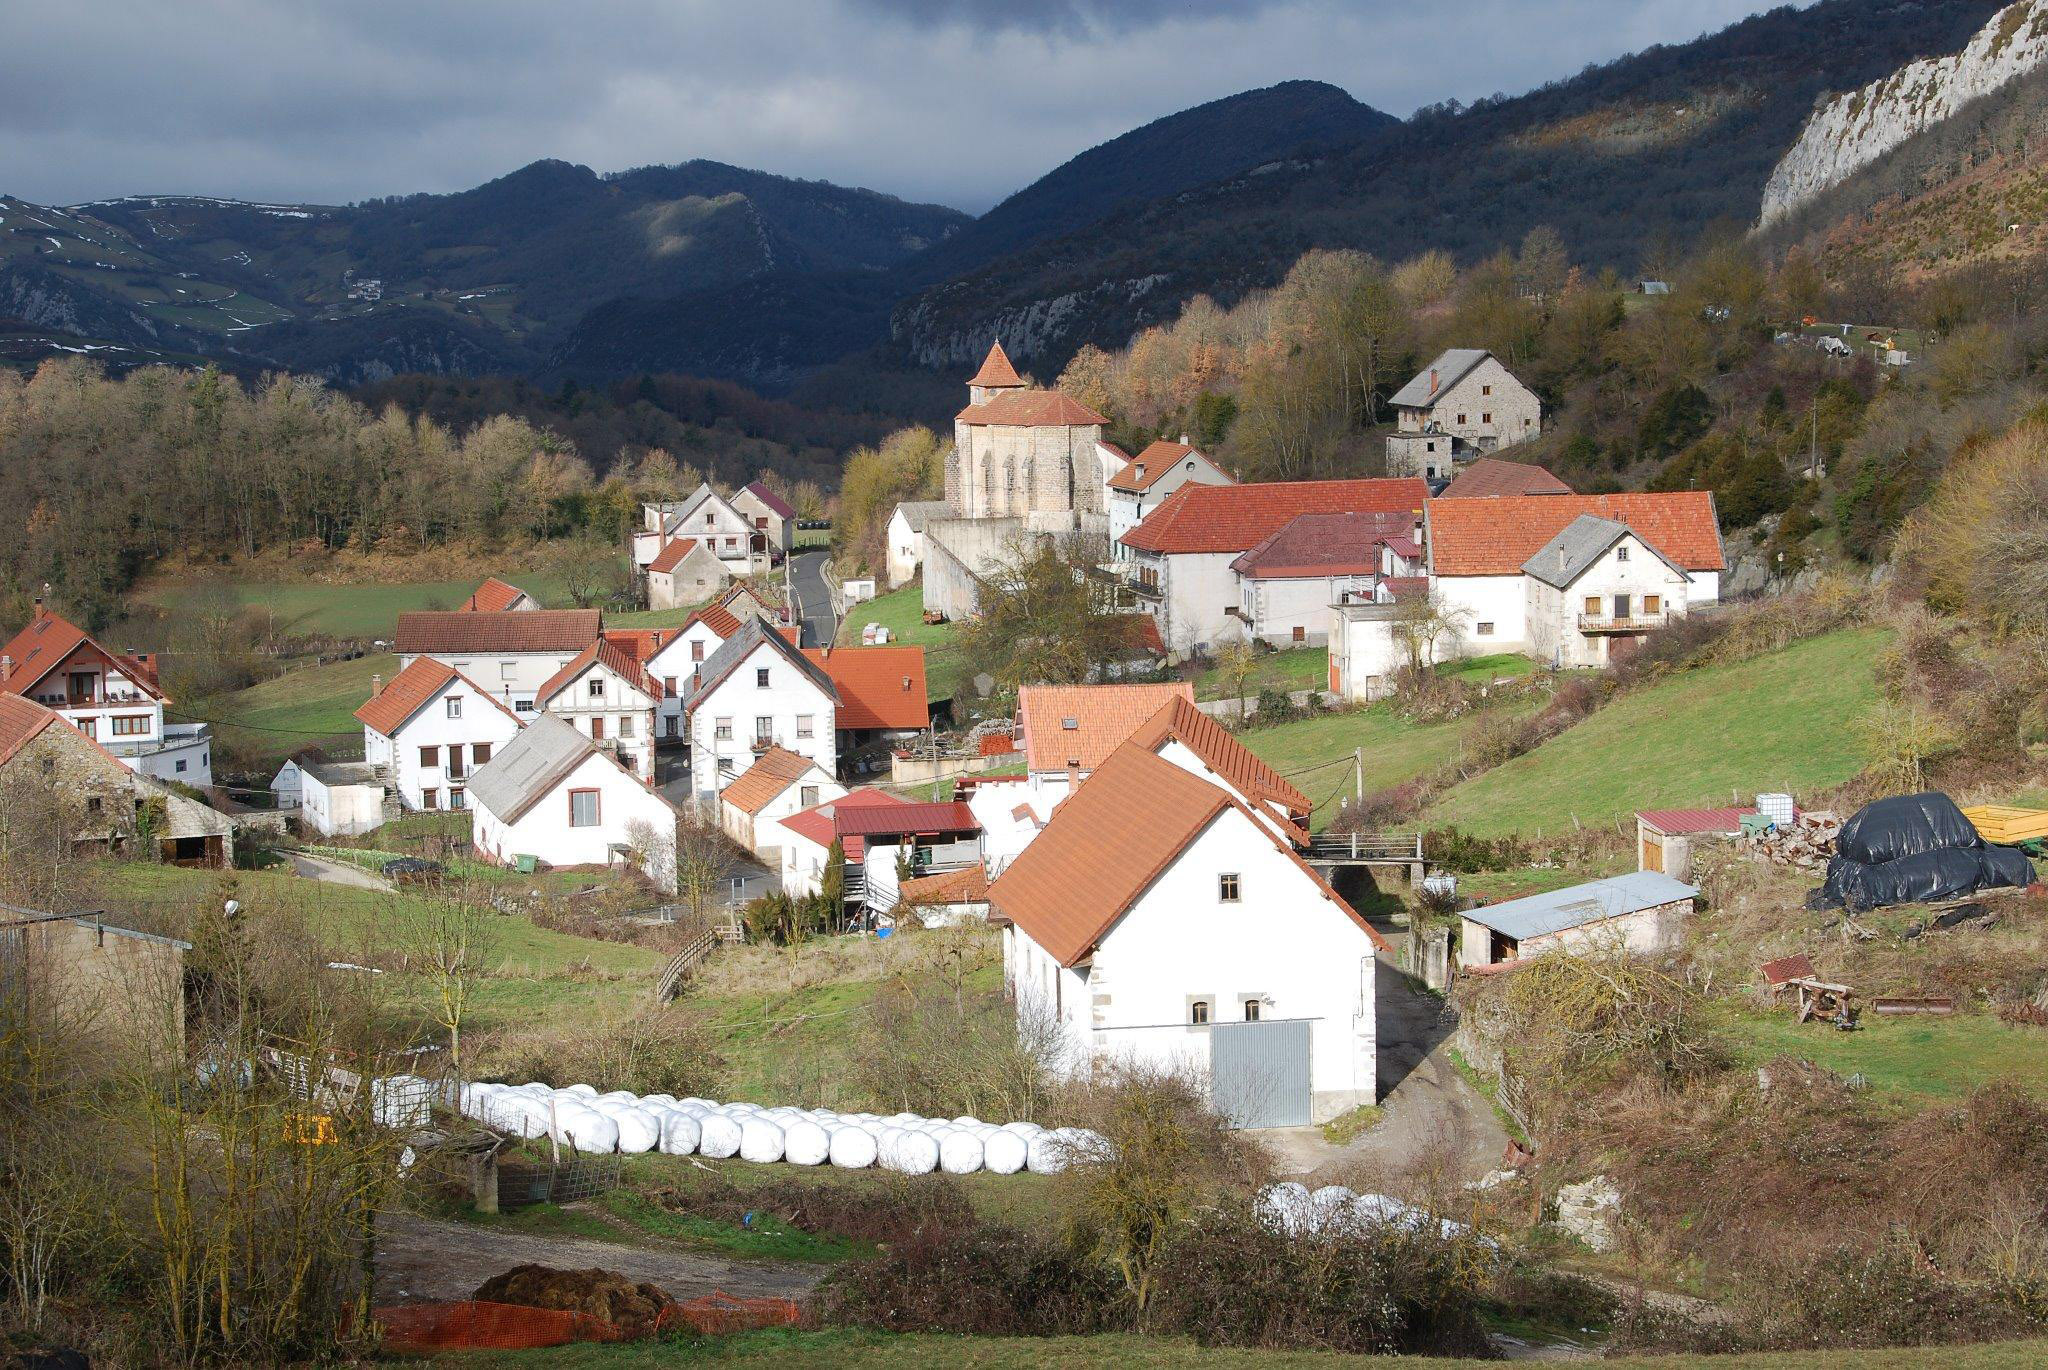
x=1595, y=625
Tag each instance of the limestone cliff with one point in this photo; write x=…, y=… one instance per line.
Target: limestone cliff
x=1851, y=131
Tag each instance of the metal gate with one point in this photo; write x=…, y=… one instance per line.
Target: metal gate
x=1258, y=1072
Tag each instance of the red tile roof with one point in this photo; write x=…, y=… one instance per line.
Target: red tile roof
x=21, y=722
x=48, y=641
x=1490, y=477
x=1325, y=545
x=430, y=632
x=879, y=687
x=671, y=555
x=1150, y=466
x=776, y=504
x=905, y=819
x=820, y=824
x=1031, y=409
x=1493, y=537
x=1231, y=518
x=1222, y=752
x=996, y=371
x=1677, y=822
x=968, y=885
x=1107, y=843
x=718, y=619
x=1104, y=717
x=617, y=657
x=495, y=596
x=774, y=771
x=391, y=707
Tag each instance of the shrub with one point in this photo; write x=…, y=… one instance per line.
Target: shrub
x=651, y=1053
x=989, y=1282
x=895, y=1210
x=1453, y=849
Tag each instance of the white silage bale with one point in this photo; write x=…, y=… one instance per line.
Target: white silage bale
x=885, y=1146
x=1045, y=1154
x=664, y=1100
x=1329, y=1208
x=580, y=1091
x=1005, y=1153
x=619, y=1096
x=760, y=1141
x=587, y=1130
x=966, y=1120
x=905, y=1119
x=960, y=1154
x=639, y=1130
x=1023, y=1129
x=719, y=1136
x=1086, y=1147
x=679, y=1133
x=915, y=1153
x=1284, y=1207
x=853, y=1149
x=538, y=1088
x=805, y=1143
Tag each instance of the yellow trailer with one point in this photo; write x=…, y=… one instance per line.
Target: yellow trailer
x=2006, y=824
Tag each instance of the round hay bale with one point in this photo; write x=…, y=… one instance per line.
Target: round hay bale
x=1005, y=1153
x=760, y=1141
x=718, y=1136
x=915, y=1153
x=587, y=1130
x=805, y=1143
x=679, y=1134
x=853, y=1149
x=961, y=1153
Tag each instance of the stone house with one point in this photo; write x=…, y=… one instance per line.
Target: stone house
x=1463, y=405
x=770, y=515
x=1019, y=450
x=116, y=993
x=684, y=572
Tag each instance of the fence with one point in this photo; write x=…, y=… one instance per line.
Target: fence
x=521, y=1185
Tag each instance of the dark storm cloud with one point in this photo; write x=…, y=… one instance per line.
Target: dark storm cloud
x=332, y=100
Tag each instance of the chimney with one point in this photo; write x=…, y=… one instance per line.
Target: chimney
x=906, y=684
x=6, y=666
x=1184, y=441
x=1432, y=380
x=376, y=685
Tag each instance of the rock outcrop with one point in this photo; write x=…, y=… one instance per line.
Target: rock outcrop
x=1848, y=132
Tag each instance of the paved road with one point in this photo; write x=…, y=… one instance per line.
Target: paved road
x=427, y=1258
x=813, y=599
x=336, y=873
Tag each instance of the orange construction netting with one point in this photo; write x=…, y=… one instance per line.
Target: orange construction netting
x=471, y=1324
x=717, y=1314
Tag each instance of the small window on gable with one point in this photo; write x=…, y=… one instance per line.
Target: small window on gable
x=596, y=689
x=697, y=651
x=1483, y=629
x=454, y=706
x=1621, y=552
x=807, y=796
x=1229, y=887
x=1486, y=390
x=1198, y=1012
x=761, y=677
x=583, y=808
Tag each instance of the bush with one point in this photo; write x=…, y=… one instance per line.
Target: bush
x=651, y=1053
x=1453, y=849
x=895, y=1210
x=991, y=1282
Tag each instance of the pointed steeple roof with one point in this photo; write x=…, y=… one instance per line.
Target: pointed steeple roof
x=996, y=372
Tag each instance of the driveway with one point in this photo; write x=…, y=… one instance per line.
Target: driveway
x=336, y=872
x=1432, y=1119
x=813, y=598
x=430, y=1259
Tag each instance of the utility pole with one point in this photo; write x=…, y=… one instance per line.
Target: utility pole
x=1358, y=774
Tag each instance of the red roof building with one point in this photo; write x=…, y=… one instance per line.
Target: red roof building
x=1490, y=478
x=1494, y=537
x=1233, y=518
x=495, y=596
x=880, y=688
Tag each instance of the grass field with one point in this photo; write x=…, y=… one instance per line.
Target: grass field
x=1782, y=721
x=305, y=607
x=1921, y=1059
x=310, y=706
x=946, y=667
x=1316, y=753
x=829, y=1350
x=1298, y=668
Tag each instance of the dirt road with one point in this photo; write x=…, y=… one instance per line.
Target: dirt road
x=428, y=1258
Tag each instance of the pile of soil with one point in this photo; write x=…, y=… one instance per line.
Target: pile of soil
x=634, y=1309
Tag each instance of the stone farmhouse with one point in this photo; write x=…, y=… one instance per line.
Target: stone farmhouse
x=1156, y=920
x=427, y=730
x=684, y=571
x=747, y=533
x=1463, y=405
x=114, y=698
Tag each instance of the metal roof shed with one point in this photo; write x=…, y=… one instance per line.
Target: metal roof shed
x=1637, y=911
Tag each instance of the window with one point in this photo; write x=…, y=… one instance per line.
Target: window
x=430, y=757
x=764, y=728
x=1198, y=1012
x=1592, y=606
x=707, y=521
x=130, y=725
x=181, y=765
x=807, y=796
x=625, y=725
x=668, y=684
x=479, y=752
x=1485, y=417
x=430, y=799
x=1621, y=552
x=583, y=808
x=454, y=706
x=1486, y=390
x=507, y=669
x=455, y=800
x=596, y=687
x=806, y=725
x=1653, y=604
x=1228, y=887
x=721, y=729
x=1483, y=629
x=1461, y=418
x=697, y=650
x=92, y=805
x=522, y=706
x=761, y=678
x=89, y=726
x=1251, y=1010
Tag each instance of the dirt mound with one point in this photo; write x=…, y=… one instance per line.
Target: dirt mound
x=634, y=1309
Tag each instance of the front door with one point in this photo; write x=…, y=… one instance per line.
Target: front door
x=1621, y=606
x=597, y=730
x=80, y=688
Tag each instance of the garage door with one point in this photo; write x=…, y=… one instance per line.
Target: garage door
x=1258, y=1072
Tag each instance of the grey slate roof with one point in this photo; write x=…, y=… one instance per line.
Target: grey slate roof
x=737, y=648
x=1579, y=544
x=918, y=512
x=1539, y=914
x=1451, y=367
x=520, y=773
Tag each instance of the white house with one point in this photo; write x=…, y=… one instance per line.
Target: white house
x=1463, y=405
x=552, y=795
x=342, y=798
x=778, y=785
x=1157, y=922
x=1179, y=559
x=769, y=514
x=1202, y=746
x=1595, y=589
x=606, y=693
x=114, y=698
x=1287, y=583
x=1479, y=551
x=904, y=552
x=1367, y=640
x=287, y=787
x=429, y=729
x=684, y=572
x=1641, y=912
x=677, y=657
x=710, y=517
x=1146, y=480
x=755, y=692
x=510, y=653
x=1069, y=730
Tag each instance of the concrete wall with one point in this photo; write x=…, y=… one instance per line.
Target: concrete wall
x=1648, y=932
x=1364, y=654
x=341, y=810
x=1500, y=603
x=1278, y=606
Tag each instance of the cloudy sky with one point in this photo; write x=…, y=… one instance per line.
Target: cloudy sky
x=956, y=101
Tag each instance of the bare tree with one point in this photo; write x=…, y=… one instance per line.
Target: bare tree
x=451, y=943
x=1419, y=625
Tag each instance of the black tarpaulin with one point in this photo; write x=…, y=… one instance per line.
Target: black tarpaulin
x=1905, y=825
x=1913, y=849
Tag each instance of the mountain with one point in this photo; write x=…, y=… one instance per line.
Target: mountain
x=775, y=328
x=1649, y=148
x=485, y=279
x=1853, y=130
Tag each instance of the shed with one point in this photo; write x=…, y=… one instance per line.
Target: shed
x=341, y=798
x=1639, y=912
x=1664, y=837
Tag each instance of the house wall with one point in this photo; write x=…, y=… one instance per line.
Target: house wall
x=543, y=831
x=1003, y=470
x=905, y=550
x=1477, y=601
x=1510, y=414
x=1430, y=456
x=803, y=861
x=1185, y=757
x=117, y=995
x=60, y=788
x=673, y=666
x=1629, y=567
x=790, y=696
x=512, y=677
x=781, y=532
x=1179, y=942
x=1127, y=510
x=341, y=810
x=482, y=721
x=1647, y=932
x=728, y=532
x=1278, y=606
x=1364, y=654
x=696, y=578
x=994, y=804
x=1198, y=591
x=765, y=830
x=625, y=714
